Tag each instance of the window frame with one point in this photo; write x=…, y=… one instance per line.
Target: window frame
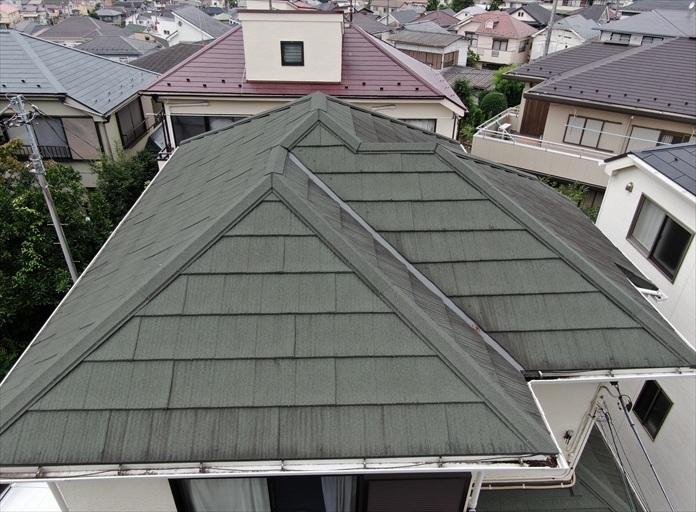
x=286, y=44
x=474, y=41
x=622, y=38
x=584, y=131
x=500, y=45
x=139, y=129
x=649, y=394
x=649, y=252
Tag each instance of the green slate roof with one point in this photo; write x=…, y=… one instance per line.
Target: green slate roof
x=316, y=278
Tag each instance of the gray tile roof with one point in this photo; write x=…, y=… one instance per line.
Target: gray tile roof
x=651, y=5
x=656, y=23
x=659, y=77
x=429, y=39
x=404, y=17
x=369, y=24
x=582, y=26
x=478, y=78
x=323, y=261
x=82, y=27
x=166, y=59
x=539, y=13
x=197, y=18
x=34, y=66
x=677, y=162
x=117, y=45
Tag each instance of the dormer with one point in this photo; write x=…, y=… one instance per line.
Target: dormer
x=490, y=23
x=292, y=46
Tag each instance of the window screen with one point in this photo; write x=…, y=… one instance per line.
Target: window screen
x=292, y=53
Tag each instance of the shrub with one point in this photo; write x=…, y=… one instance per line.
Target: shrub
x=493, y=104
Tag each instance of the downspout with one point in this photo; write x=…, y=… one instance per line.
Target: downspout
x=472, y=499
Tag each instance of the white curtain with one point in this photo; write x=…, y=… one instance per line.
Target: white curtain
x=339, y=493
x=648, y=224
x=228, y=494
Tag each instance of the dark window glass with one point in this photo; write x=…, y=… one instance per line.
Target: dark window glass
x=187, y=126
x=292, y=53
x=299, y=493
x=651, y=407
x=131, y=122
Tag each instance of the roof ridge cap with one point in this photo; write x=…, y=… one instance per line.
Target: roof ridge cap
x=37, y=61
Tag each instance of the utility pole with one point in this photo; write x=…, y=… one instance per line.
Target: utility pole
x=40, y=173
x=549, y=27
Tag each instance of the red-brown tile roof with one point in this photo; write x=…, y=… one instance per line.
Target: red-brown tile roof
x=506, y=25
x=441, y=18
x=370, y=69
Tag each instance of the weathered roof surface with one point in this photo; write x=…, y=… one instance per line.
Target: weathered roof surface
x=82, y=27
x=329, y=264
x=597, y=12
x=425, y=38
x=34, y=67
x=166, y=59
x=239, y=270
x=369, y=24
x=598, y=488
x=404, y=17
x=634, y=79
x=425, y=26
x=440, y=17
x=385, y=72
x=677, y=162
x=210, y=26
x=477, y=78
x=132, y=27
x=651, y=5
x=669, y=23
x=117, y=45
x=581, y=25
x=505, y=25
x=539, y=13
x=565, y=60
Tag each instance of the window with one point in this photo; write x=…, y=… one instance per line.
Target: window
x=621, y=38
x=650, y=39
x=292, y=53
x=186, y=127
x=651, y=407
x=520, y=14
x=50, y=136
x=423, y=124
x=659, y=237
x=474, y=40
x=583, y=131
x=523, y=45
x=500, y=44
x=131, y=122
x=642, y=138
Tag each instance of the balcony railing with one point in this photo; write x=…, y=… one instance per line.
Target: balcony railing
x=57, y=153
x=130, y=138
x=505, y=124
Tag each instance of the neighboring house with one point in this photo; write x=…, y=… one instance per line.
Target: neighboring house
x=441, y=18
x=78, y=30
x=533, y=14
x=498, y=39
x=277, y=56
x=648, y=213
x=119, y=48
x=399, y=18
x=588, y=103
x=325, y=308
x=597, y=12
x=88, y=105
x=370, y=25
x=9, y=16
x=413, y=5
x=642, y=6
x=469, y=12
x=431, y=44
x=30, y=27
x=565, y=33
x=650, y=27
x=165, y=59
x=384, y=7
x=479, y=79
x=193, y=26
x=112, y=15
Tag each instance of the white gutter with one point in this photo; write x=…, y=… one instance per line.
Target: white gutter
x=508, y=465
x=605, y=375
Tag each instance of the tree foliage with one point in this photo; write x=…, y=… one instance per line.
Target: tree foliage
x=33, y=274
x=433, y=5
x=512, y=89
x=577, y=193
x=494, y=6
x=472, y=58
x=458, y=5
x=493, y=104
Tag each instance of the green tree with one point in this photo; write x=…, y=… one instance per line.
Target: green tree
x=121, y=181
x=512, y=89
x=465, y=91
x=494, y=6
x=577, y=193
x=33, y=273
x=433, y=5
x=493, y=104
x=458, y=5
x=472, y=58
x=93, y=14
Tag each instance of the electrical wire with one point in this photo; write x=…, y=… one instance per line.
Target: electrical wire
x=43, y=114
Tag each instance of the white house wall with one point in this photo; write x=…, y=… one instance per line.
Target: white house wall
x=560, y=40
x=118, y=494
x=615, y=219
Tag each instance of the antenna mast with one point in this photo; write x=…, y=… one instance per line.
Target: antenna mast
x=40, y=173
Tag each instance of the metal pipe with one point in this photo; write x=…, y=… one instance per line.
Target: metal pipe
x=476, y=491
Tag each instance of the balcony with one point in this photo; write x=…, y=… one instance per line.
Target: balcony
x=56, y=153
x=498, y=139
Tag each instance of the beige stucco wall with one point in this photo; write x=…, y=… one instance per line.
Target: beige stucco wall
x=558, y=119
x=560, y=40
x=615, y=219
x=321, y=33
x=124, y=494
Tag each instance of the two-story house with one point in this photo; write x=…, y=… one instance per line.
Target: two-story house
x=566, y=33
x=324, y=308
x=648, y=213
x=588, y=103
x=431, y=44
x=79, y=115
x=276, y=56
x=498, y=39
x=650, y=27
x=9, y=16
x=77, y=30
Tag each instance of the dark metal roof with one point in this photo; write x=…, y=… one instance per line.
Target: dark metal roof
x=166, y=59
x=651, y=5
x=658, y=78
x=371, y=68
x=656, y=23
x=477, y=78
x=404, y=17
x=565, y=60
x=425, y=38
x=36, y=67
x=369, y=24
x=82, y=27
x=318, y=259
x=197, y=18
x=539, y=13
x=677, y=162
x=117, y=45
